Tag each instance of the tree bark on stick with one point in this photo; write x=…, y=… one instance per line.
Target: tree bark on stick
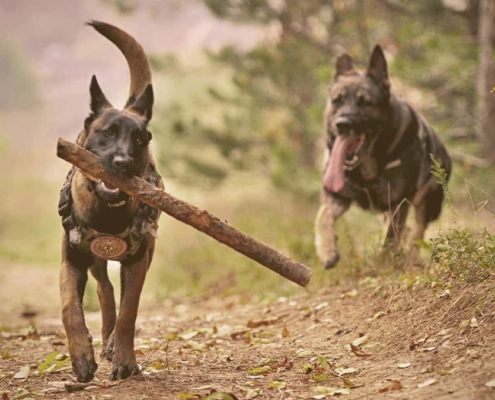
x=91, y=165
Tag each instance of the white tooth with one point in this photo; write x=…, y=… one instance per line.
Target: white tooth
x=115, y=190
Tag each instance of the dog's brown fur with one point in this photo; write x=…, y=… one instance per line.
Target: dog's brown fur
x=379, y=155
x=120, y=138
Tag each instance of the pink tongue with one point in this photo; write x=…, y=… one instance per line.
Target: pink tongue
x=333, y=179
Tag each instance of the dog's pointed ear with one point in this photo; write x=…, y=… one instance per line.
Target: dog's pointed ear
x=377, y=67
x=144, y=104
x=98, y=99
x=344, y=65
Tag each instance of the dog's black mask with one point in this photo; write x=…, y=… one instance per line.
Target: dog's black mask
x=119, y=137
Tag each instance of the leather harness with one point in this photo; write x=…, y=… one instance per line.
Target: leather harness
x=110, y=247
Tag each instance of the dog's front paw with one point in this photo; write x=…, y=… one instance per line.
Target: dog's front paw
x=84, y=367
x=332, y=262
x=123, y=371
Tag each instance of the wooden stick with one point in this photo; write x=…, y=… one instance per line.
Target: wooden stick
x=187, y=213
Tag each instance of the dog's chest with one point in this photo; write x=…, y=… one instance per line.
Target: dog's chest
x=380, y=188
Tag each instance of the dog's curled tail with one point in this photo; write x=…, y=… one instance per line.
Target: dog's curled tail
x=134, y=54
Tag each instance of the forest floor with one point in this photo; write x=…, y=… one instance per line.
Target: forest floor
x=361, y=340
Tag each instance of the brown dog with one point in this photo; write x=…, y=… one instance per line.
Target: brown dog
x=102, y=223
x=379, y=155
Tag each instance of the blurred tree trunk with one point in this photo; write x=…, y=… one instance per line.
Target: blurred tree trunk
x=486, y=80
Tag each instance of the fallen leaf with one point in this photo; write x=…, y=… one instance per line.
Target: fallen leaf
x=323, y=362
x=188, y=335
x=426, y=383
x=463, y=326
x=321, y=305
x=491, y=383
x=427, y=349
x=91, y=388
x=351, y=384
x=59, y=366
x=157, y=365
x=252, y=393
x=312, y=327
x=23, y=373
x=393, y=385
x=358, y=352
x=319, y=378
x=277, y=385
x=285, y=332
x=307, y=368
x=345, y=371
x=5, y=354
x=404, y=365
x=260, y=370
x=360, y=341
x=378, y=315
x=265, y=322
x=428, y=368
x=303, y=353
x=22, y=393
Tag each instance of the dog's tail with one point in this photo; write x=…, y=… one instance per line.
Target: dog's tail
x=134, y=54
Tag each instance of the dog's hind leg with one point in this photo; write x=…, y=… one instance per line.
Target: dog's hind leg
x=133, y=274
x=326, y=239
x=418, y=233
x=107, y=303
x=73, y=278
x=396, y=227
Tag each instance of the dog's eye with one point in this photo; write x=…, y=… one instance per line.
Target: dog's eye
x=337, y=100
x=364, y=102
x=139, y=141
x=110, y=132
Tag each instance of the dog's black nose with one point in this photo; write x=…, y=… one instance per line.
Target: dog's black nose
x=343, y=125
x=123, y=164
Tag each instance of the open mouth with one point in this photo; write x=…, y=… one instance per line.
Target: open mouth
x=345, y=155
x=108, y=188
x=110, y=194
x=354, y=146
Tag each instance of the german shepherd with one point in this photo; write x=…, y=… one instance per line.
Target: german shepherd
x=103, y=223
x=379, y=155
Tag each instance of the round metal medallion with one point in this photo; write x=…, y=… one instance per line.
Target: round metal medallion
x=108, y=247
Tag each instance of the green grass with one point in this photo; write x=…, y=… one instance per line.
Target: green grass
x=30, y=229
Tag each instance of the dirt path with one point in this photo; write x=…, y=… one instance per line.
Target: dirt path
x=412, y=343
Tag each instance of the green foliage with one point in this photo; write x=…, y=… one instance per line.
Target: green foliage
x=466, y=256
x=261, y=109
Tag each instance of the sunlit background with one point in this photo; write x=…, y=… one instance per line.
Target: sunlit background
x=240, y=88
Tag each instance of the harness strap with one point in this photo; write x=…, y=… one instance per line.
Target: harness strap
x=84, y=237
x=65, y=202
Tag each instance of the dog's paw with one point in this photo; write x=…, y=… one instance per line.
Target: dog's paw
x=108, y=350
x=123, y=371
x=84, y=368
x=332, y=262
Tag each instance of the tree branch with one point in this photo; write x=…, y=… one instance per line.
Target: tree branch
x=91, y=165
